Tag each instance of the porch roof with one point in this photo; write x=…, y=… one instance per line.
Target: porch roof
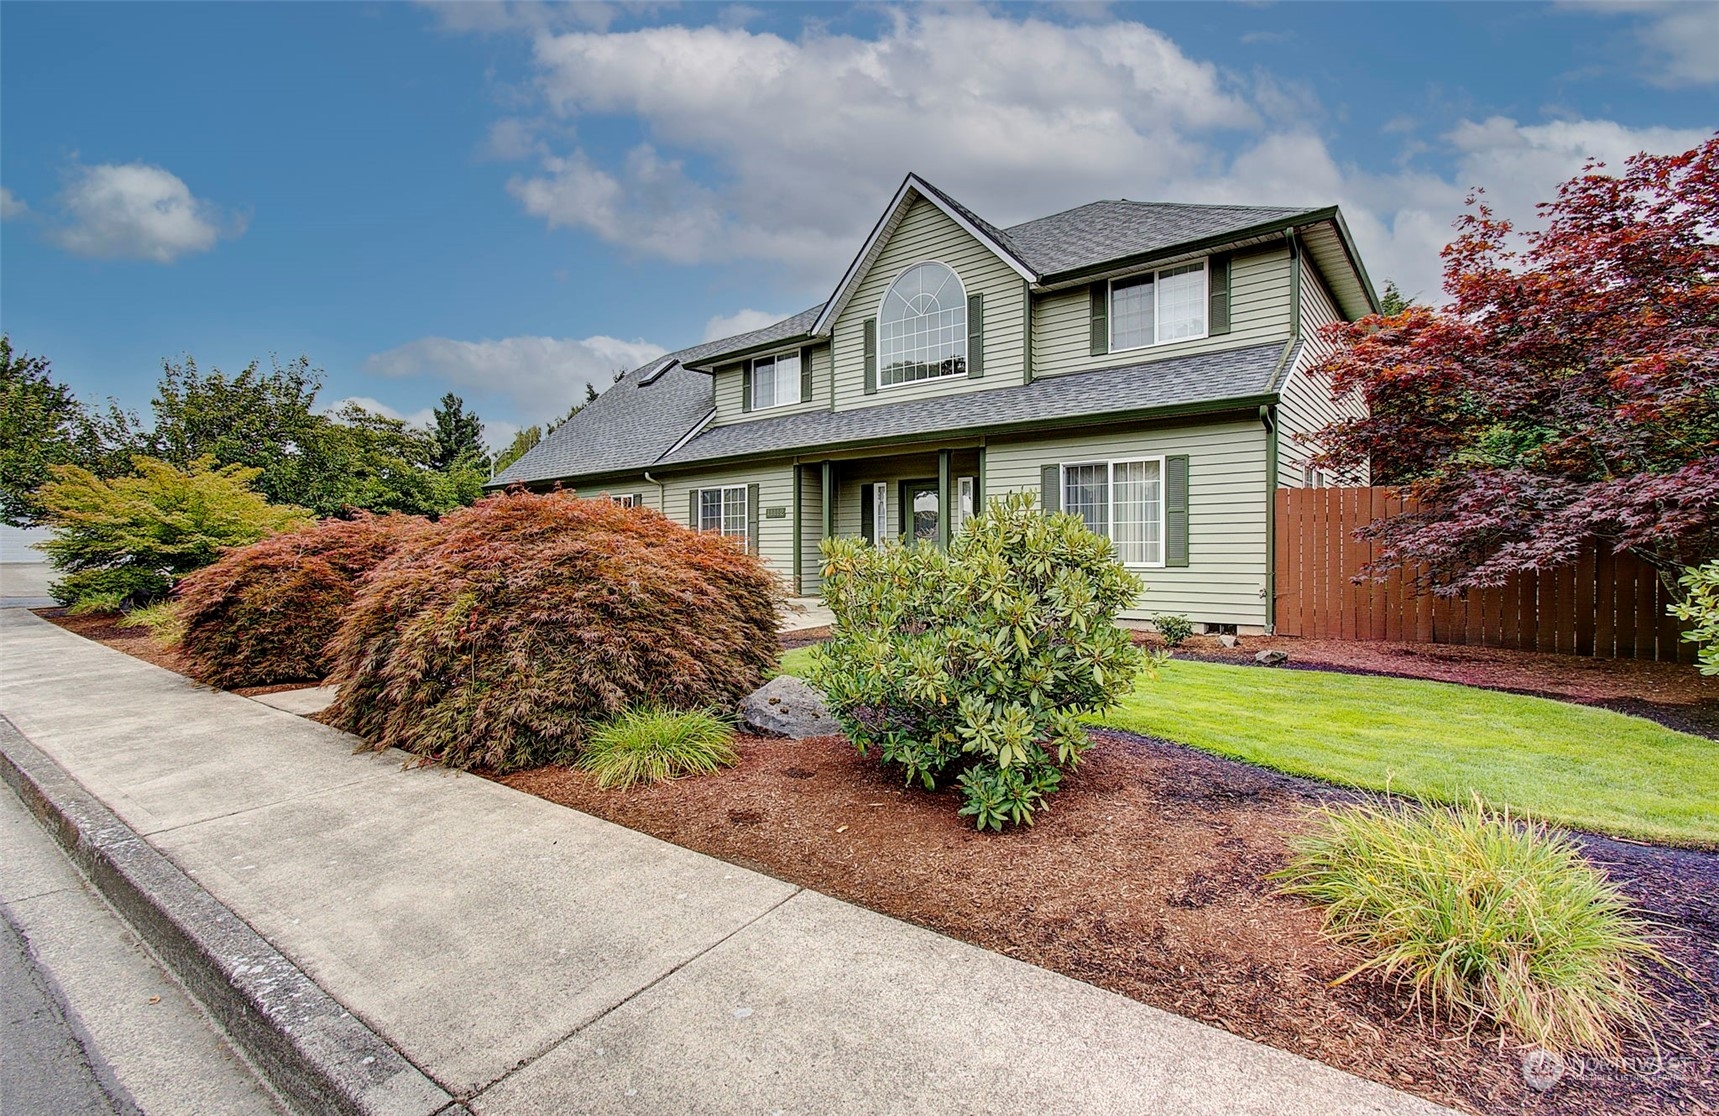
x=1232, y=376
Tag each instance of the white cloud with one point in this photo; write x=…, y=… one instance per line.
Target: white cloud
x=798, y=142
x=542, y=374
x=11, y=205
x=741, y=321
x=810, y=135
x=1679, y=36
x=136, y=211
x=511, y=138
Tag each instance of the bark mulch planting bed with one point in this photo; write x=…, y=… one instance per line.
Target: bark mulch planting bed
x=1148, y=877
x=104, y=628
x=1674, y=694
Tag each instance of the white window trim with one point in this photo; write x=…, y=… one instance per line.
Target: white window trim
x=1205, y=315
x=745, y=531
x=877, y=315
x=1110, y=499
x=752, y=376
x=624, y=499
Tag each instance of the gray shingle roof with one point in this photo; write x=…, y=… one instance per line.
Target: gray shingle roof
x=1203, y=378
x=637, y=422
x=1113, y=230
x=631, y=425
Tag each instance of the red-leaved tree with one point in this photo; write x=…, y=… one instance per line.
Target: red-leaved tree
x=1569, y=390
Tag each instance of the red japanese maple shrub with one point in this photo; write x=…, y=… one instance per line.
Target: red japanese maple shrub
x=1569, y=390
x=263, y=614
x=530, y=618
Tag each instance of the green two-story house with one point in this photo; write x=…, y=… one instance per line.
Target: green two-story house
x=1143, y=364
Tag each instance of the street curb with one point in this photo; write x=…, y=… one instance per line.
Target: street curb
x=316, y=1054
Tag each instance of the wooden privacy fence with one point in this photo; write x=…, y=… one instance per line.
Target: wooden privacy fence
x=1611, y=606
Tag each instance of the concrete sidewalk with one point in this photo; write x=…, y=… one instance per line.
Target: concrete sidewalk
x=528, y=958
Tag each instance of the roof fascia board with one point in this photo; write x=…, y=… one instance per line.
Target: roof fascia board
x=1355, y=259
x=1126, y=263
x=915, y=185
x=708, y=365
x=1246, y=404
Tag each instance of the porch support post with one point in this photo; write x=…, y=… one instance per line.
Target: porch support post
x=829, y=500
x=979, y=485
x=799, y=538
x=945, y=499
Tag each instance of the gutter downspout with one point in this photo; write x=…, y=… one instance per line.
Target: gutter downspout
x=1268, y=416
x=662, y=493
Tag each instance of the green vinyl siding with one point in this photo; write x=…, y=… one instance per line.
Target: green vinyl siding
x=926, y=233
x=1259, y=312
x=775, y=490
x=1305, y=406
x=1226, y=571
x=730, y=388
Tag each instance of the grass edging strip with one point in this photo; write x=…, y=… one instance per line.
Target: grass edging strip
x=320, y=1057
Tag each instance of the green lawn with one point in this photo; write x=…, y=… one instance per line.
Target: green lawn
x=1588, y=768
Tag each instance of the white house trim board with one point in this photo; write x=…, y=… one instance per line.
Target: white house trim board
x=911, y=187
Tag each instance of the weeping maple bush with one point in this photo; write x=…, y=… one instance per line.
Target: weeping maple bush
x=263, y=614
x=529, y=618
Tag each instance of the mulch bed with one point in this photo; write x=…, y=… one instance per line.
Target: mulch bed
x=1149, y=877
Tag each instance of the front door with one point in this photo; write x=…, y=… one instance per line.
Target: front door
x=919, y=501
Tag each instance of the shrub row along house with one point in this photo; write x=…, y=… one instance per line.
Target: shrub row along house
x=1145, y=365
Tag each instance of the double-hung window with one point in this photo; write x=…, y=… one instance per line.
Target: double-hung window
x=723, y=510
x=775, y=381
x=629, y=500
x=1158, y=307
x=1122, y=500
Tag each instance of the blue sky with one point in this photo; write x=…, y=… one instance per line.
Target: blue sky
x=511, y=200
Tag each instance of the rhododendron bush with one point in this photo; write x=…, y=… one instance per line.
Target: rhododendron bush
x=1569, y=390
x=522, y=622
x=263, y=614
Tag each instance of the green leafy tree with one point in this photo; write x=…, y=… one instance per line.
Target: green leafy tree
x=41, y=424
x=980, y=659
x=1392, y=302
x=266, y=420
x=523, y=442
x=125, y=541
x=458, y=433
x=386, y=465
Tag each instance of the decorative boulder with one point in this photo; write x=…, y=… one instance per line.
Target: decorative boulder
x=788, y=706
x=1228, y=640
x=1271, y=657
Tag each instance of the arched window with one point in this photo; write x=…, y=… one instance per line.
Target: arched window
x=922, y=326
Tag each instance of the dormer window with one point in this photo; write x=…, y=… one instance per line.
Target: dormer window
x=922, y=326
x=1158, y=307
x=775, y=381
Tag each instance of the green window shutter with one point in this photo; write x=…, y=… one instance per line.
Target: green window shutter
x=746, y=386
x=806, y=374
x=1098, y=302
x=638, y=499
x=1176, y=510
x=752, y=518
x=975, y=336
x=1050, y=488
x=871, y=356
x=868, y=512
x=1218, y=295
x=692, y=509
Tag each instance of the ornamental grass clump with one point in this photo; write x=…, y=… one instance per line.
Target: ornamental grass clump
x=656, y=745
x=263, y=614
x=1481, y=917
x=521, y=623
x=979, y=661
